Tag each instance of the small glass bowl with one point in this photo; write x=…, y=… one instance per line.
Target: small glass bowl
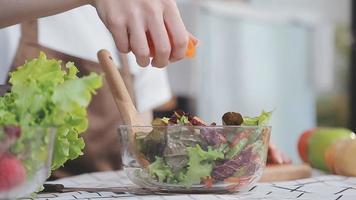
x=194, y=159
x=25, y=159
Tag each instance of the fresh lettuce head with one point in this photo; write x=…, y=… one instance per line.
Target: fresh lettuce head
x=46, y=95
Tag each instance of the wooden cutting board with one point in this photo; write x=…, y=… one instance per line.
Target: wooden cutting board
x=285, y=172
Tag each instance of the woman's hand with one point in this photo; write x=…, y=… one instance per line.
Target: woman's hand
x=148, y=28
x=276, y=156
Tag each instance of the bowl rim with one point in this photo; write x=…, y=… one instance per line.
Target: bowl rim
x=192, y=126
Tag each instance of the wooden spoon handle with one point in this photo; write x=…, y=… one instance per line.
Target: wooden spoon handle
x=118, y=89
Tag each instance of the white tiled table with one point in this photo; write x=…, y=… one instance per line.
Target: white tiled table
x=326, y=187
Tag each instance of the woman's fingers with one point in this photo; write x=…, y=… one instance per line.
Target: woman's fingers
x=161, y=45
x=147, y=28
x=178, y=35
x=120, y=35
x=139, y=43
x=193, y=39
x=275, y=156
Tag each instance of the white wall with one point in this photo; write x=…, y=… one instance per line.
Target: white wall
x=336, y=10
x=249, y=63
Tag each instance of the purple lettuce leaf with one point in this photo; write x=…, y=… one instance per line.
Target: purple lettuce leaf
x=213, y=136
x=228, y=168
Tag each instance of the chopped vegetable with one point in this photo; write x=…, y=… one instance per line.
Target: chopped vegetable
x=200, y=164
x=257, y=121
x=183, y=150
x=228, y=168
x=208, y=182
x=190, y=52
x=160, y=170
x=213, y=136
x=236, y=149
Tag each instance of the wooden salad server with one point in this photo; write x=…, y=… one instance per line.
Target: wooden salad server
x=123, y=101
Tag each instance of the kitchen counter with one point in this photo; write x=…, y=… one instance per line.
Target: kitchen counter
x=318, y=187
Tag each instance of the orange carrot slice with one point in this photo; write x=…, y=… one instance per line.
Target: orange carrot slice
x=190, y=52
x=208, y=182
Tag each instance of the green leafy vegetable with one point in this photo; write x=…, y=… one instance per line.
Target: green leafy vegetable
x=42, y=94
x=200, y=164
x=161, y=170
x=224, y=148
x=257, y=121
x=236, y=149
x=165, y=120
x=183, y=120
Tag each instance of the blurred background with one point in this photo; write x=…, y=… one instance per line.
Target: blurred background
x=290, y=56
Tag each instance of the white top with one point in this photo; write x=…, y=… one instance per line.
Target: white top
x=80, y=32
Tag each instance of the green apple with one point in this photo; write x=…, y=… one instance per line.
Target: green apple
x=321, y=140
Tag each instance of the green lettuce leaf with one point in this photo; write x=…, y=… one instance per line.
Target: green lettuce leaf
x=183, y=120
x=6, y=105
x=44, y=94
x=160, y=170
x=76, y=93
x=200, y=164
x=260, y=120
x=237, y=148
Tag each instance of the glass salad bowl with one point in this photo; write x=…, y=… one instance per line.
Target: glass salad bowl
x=194, y=159
x=25, y=159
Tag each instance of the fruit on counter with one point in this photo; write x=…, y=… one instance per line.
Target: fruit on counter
x=303, y=144
x=46, y=94
x=321, y=148
x=199, y=154
x=320, y=140
x=340, y=157
x=12, y=172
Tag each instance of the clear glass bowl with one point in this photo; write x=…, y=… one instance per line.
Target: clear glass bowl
x=25, y=159
x=194, y=159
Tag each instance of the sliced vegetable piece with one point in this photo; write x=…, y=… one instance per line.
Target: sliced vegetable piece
x=235, y=150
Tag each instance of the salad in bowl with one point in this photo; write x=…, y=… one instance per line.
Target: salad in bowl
x=184, y=154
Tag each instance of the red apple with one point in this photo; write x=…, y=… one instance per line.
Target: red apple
x=303, y=144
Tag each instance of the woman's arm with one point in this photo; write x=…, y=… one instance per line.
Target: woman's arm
x=148, y=28
x=16, y=11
